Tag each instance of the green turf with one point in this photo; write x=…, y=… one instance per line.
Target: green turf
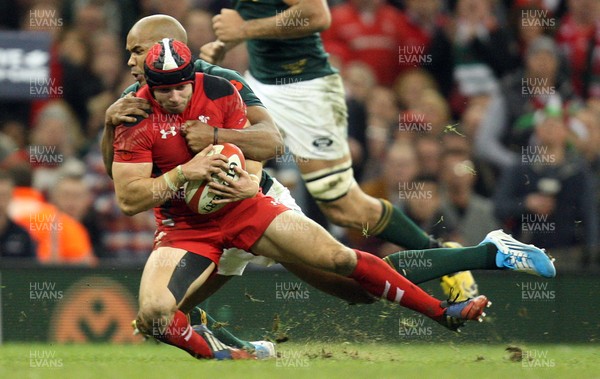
x=315, y=360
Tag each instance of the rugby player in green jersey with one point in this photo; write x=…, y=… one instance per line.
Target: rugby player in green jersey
x=290, y=73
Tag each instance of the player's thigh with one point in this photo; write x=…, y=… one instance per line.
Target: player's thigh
x=292, y=237
x=157, y=273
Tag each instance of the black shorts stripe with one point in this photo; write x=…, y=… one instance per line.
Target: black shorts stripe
x=188, y=269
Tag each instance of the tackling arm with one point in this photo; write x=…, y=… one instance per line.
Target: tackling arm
x=120, y=112
x=260, y=141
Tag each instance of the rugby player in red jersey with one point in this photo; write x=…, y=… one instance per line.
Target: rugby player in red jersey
x=151, y=164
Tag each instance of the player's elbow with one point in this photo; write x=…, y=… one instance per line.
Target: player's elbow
x=277, y=143
x=127, y=206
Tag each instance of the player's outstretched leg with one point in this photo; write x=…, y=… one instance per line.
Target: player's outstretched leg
x=344, y=203
x=320, y=250
x=380, y=280
x=498, y=251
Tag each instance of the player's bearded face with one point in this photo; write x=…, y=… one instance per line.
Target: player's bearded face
x=174, y=99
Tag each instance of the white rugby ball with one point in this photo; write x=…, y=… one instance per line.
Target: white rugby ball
x=197, y=195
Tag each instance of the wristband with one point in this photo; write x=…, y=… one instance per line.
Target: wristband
x=216, y=136
x=170, y=184
x=180, y=174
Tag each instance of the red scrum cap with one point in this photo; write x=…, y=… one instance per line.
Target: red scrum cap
x=168, y=63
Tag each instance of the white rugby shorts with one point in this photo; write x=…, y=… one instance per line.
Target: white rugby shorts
x=311, y=114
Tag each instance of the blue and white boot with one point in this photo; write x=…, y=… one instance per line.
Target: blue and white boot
x=517, y=256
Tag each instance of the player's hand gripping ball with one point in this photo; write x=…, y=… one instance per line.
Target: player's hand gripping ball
x=197, y=195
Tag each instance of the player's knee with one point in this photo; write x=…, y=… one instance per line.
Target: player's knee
x=154, y=318
x=343, y=260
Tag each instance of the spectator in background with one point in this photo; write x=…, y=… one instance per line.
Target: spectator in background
x=41, y=16
x=463, y=139
x=579, y=38
x=422, y=18
x=399, y=168
x=198, y=24
x=472, y=214
x=359, y=80
x=174, y=8
x=15, y=241
x=550, y=195
x=429, y=152
x=382, y=122
x=55, y=144
x=60, y=239
x=72, y=196
x=523, y=92
x=433, y=111
x=528, y=22
x=423, y=204
x=368, y=31
x=411, y=85
x=127, y=239
x=470, y=53
x=106, y=50
x=119, y=14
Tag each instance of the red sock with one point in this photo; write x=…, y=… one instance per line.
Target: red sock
x=180, y=333
x=379, y=279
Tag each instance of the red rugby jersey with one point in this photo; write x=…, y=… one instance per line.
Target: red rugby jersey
x=158, y=140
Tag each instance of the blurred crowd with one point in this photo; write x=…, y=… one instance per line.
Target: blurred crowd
x=470, y=115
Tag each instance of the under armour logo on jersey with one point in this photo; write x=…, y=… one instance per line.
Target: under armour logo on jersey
x=204, y=119
x=166, y=132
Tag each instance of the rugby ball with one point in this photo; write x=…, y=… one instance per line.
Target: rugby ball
x=197, y=195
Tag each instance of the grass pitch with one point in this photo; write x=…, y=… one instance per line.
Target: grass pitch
x=314, y=360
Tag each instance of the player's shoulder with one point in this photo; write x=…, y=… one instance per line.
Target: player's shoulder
x=131, y=89
x=216, y=87
x=213, y=69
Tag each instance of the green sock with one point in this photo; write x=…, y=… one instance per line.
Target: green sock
x=394, y=226
x=219, y=331
x=419, y=266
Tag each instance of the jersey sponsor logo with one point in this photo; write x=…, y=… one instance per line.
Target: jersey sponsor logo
x=295, y=68
x=322, y=142
x=171, y=131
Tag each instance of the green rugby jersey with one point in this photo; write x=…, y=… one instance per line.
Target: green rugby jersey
x=283, y=61
x=248, y=96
